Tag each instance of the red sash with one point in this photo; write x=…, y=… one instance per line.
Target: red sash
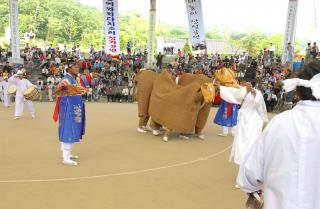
x=229, y=112
x=56, y=110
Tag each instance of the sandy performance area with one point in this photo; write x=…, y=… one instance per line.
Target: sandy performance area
x=118, y=167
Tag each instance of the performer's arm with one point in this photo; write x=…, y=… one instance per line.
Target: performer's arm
x=233, y=95
x=261, y=106
x=11, y=80
x=62, y=85
x=29, y=84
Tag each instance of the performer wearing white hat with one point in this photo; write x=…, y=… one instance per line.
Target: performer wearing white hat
x=284, y=161
x=22, y=85
x=5, y=86
x=1, y=87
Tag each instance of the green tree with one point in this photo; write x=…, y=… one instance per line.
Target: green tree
x=187, y=47
x=54, y=26
x=68, y=21
x=254, y=42
x=4, y=15
x=71, y=28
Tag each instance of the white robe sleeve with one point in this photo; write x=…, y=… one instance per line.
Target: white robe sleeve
x=262, y=109
x=251, y=172
x=29, y=84
x=250, y=177
x=233, y=95
x=12, y=80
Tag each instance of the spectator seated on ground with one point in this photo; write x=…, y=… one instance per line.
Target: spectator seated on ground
x=271, y=101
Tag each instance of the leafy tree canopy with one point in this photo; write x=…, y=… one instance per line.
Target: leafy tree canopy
x=69, y=22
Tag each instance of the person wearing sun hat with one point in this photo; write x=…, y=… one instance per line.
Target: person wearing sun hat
x=22, y=85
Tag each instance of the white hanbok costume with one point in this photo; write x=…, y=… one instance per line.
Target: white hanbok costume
x=1, y=89
x=251, y=116
x=285, y=161
x=22, y=85
x=5, y=87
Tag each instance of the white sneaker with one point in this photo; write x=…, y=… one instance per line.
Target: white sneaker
x=140, y=130
x=156, y=132
x=183, y=136
x=74, y=157
x=69, y=162
x=223, y=135
x=201, y=136
x=236, y=186
x=16, y=118
x=165, y=138
x=147, y=128
x=33, y=116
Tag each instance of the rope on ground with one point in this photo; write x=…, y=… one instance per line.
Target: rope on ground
x=118, y=174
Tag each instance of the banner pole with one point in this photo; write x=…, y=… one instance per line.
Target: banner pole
x=290, y=31
x=14, y=32
x=111, y=26
x=196, y=25
x=152, y=27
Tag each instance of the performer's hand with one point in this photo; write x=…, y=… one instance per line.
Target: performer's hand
x=62, y=86
x=217, y=83
x=248, y=86
x=254, y=92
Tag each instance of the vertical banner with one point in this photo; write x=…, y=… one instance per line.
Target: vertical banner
x=152, y=28
x=290, y=32
x=14, y=32
x=111, y=25
x=196, y=25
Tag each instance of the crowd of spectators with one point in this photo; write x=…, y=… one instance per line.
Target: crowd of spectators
x=266, y=71
x=113, y=76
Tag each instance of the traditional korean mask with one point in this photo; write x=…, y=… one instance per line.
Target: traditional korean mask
x=208, y=92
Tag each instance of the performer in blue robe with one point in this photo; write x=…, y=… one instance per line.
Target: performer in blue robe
x=226, y=117
x=71, y=113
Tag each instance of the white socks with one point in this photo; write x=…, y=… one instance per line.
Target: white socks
x=225, y=130
x=66, y=150
x=66, y=155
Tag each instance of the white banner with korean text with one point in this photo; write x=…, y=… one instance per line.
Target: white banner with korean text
x=111, y=25
x=290, y=32
x=14, y=32
x=196, y=25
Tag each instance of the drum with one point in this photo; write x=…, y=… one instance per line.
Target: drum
x=12, y=89
x=32, y=93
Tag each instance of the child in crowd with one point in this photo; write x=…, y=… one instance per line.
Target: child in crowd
x=89, y=94
x=50, y=88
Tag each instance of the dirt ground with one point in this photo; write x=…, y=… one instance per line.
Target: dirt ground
x=118, y=167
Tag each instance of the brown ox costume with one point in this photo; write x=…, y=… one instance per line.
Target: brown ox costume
x=204, y=112
x=144, y=85
x=176, y=107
